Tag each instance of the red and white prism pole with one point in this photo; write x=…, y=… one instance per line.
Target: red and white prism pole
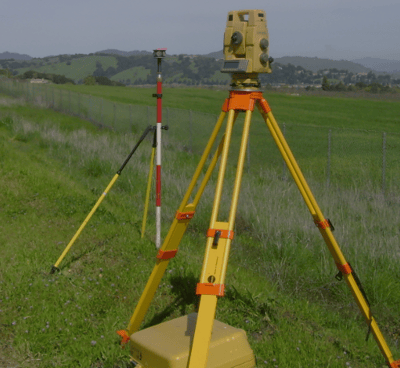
x=159, y=54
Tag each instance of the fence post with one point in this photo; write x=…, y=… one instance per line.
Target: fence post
x=115, y=116
x=191, y=130
x=328, y=166
x=130, y=117
x=90, y=105
x=383, y=163
x=101, y=111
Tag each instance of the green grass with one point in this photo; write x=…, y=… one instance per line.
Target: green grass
x=280, y=283
x=319, y=111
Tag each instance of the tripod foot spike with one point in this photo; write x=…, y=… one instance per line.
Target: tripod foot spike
x=124, y=337
x=54, y=269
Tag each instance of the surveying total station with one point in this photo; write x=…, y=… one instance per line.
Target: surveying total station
x=197, y=340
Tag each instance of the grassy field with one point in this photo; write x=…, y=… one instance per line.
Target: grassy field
x=280, y=287
x=367, y=114
x=343, y=141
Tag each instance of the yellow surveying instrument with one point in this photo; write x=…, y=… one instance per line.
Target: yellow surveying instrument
x=197, y=340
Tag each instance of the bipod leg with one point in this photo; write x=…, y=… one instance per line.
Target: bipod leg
x=88, y=217
x=325, y=228
x=219, y=240
x=147, y=200
x=182, y=218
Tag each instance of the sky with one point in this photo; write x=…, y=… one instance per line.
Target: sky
x=339, y=29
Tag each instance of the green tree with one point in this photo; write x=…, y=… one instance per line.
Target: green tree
x=325, y=83
x=89, y=80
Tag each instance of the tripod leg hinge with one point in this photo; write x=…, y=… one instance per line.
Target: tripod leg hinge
x=166, y=254
x=264, y=105
x=124, y=335
x=225, y=234
x=395, y=364
x=325, y=224
x=184, y=215
x=210, y=289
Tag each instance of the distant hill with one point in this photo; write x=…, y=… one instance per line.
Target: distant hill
x=380, y=65
x=14, y=55
x=139, y=67
x=215, y=55
x=314, y=64
x=124, y=53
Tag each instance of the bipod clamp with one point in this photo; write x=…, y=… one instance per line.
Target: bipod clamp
x=124, y=337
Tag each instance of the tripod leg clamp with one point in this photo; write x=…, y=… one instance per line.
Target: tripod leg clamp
x=210, y=289
x=325, y=224
x=225, y=234
x=166, y=254
x=184, y=215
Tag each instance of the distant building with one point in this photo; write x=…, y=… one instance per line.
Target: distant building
x=39, y=81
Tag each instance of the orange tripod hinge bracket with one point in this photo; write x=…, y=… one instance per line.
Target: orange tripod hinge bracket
x=124, y=335
x=344, y=269
x=244, y=100
x=166, y=254
x=225, y=234
x=210, y=289
x=324, y=224
x=184, y=215
x=395, y=364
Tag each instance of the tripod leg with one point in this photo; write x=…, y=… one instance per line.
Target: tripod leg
x=326, y=232
x=88, y=217
x=218, y=244
x=176, y=231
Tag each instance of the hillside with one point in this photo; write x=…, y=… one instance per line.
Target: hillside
x=380, y=65
x=315, y=64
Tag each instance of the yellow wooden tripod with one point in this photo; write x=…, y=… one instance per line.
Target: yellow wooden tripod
x=220, y=234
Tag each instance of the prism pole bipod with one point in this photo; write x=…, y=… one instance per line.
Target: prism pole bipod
x=55, y=268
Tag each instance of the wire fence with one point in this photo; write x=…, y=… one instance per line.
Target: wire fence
x=332, y=156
